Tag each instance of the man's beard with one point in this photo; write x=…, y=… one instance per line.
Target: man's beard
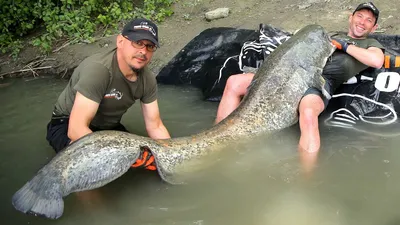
x=141, y=56
x=134, y=69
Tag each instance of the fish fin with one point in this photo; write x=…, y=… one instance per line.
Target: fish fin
x=39, y=197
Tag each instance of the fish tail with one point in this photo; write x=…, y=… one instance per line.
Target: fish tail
x=39, y=197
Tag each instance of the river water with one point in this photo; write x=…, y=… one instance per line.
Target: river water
x=356, y=180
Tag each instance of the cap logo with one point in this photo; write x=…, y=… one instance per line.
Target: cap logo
x=370, y=5
x=145, y=26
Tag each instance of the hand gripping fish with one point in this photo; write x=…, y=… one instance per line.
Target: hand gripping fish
x=101, y=157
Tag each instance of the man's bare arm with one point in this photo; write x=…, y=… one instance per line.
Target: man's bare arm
x=372, y=56
x=82, y=114
x=154, y=126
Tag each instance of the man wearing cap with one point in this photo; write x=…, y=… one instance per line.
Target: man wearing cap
x=355, y=52
x=105, y=85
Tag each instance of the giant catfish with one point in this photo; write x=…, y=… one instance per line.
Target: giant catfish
x=101, y=157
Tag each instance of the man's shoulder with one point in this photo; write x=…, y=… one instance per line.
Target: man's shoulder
x=344, y=36
x=97, y=66
x=366, y=42
x=372, y=42
x=104, y=58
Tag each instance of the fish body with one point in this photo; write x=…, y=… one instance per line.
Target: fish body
x=269, y=106
x=101, y=157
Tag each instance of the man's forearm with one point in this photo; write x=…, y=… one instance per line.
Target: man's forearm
x=159, y=132
x=78, y=132
x=368, y=57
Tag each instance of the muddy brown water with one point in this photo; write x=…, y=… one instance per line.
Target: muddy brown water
x=356, y=180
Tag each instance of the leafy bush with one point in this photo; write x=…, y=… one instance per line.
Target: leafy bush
x=155, y=9
x=16, y=19
x=75, y=20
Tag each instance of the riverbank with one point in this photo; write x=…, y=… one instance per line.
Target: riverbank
x=188, y=21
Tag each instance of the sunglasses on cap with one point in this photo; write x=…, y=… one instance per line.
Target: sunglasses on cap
x=141, y=45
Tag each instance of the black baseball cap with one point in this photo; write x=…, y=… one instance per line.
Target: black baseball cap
x=370, y=6
x=141, y=29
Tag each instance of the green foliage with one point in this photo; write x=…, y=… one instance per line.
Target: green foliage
x=158, y=10
x=16, y=20
x=75, y=20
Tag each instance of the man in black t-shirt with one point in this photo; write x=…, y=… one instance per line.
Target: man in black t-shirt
x=355, y=52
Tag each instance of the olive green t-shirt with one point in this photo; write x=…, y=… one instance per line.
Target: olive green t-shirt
x=99, y=78
x=342, y=66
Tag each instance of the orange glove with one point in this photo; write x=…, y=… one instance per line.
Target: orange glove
x=146, y=160
x=340, y=44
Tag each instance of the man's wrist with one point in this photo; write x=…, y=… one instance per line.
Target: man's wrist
x=345, y=46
